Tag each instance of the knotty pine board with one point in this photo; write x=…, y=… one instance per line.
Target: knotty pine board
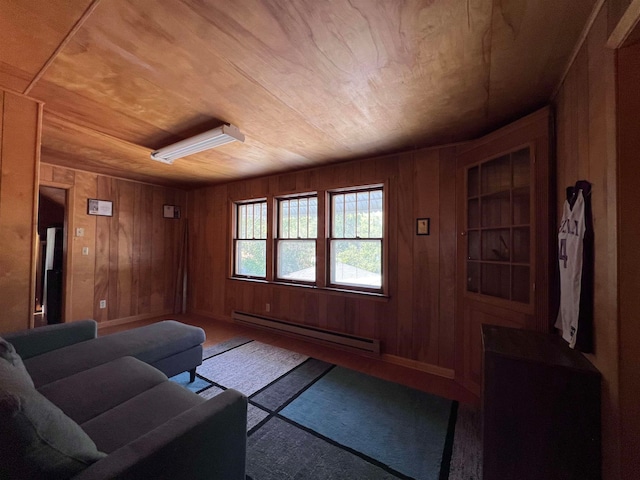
x=19, y=159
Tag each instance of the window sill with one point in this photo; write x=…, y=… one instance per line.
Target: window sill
x=376, y=296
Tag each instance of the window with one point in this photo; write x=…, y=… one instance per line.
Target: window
x=250, y=243
x=325, y=239
x=296, y=239
x=355, y=243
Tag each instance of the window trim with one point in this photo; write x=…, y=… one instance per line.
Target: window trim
x=236, y=238
x=329, y=239
x=277, y=239
x=322, y=241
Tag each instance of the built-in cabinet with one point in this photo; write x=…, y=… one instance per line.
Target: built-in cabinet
x=504, y=226
x=540, y=408
x=498, y=227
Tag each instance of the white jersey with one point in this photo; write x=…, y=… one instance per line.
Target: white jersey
x=570, y=243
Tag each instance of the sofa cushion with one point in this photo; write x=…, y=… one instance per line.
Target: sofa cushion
x=37, y=341
x=37, y=439
x=87, y=394
x=8, y=353
x=139, y=415
x=149, y=344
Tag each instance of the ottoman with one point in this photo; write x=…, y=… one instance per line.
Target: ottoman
x=170, y=346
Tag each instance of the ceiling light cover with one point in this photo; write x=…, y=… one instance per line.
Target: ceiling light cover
x=204, y=141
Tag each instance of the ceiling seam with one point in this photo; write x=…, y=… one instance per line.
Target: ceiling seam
x=625, y=26
x=90, y=130
x=3, y=95
x=488, y=105
x=247, y=76
x=64, y=42
x=583, y=37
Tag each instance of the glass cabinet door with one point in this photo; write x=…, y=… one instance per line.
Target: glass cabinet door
x=498, y=227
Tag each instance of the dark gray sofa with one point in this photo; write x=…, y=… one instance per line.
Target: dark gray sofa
x=126, y=418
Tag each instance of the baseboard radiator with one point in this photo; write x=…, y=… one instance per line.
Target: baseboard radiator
x=327, y=337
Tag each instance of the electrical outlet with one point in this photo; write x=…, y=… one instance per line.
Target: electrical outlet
x=267, y=307
x=103, y=304
x=85, y=250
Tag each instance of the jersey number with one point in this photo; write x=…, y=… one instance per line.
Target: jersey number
x=562, y=254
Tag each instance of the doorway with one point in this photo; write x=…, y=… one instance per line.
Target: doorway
x=50, y=256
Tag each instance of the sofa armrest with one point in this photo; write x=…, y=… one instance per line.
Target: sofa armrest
x=30, y=343
x=207, y=441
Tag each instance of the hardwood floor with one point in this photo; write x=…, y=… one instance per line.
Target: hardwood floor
x=218, y=331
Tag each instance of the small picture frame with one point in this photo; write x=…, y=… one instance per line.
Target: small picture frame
x=102, y=208
x=171, y=211
x=423, y=226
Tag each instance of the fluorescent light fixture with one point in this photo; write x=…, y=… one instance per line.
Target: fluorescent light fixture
x=204, y=141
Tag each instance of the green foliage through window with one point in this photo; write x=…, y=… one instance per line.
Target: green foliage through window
x=297, y=233
x=356, y=245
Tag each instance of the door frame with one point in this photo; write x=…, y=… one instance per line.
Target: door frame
x=67, y=252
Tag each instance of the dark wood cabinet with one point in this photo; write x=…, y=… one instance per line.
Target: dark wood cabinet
x=541, y=408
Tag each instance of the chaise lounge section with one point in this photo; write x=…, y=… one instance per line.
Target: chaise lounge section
x=110, y=410
x=57, y=351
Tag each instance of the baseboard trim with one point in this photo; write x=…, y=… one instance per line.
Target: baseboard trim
x=429, y=368
x=330, y=337
x=421, y=366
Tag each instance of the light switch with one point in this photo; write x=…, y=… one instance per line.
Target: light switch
x=85, y=250
x=79, y=232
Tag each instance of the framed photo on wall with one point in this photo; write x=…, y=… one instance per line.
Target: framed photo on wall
x=171, y=211
x=423, y=226
x=100, y=207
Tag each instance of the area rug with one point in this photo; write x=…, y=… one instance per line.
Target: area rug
x=309, y=419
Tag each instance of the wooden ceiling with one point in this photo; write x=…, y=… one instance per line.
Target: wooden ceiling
x=307, y=81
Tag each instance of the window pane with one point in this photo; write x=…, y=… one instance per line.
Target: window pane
x=356, y=262
x=303, y=212
x=350, y=215
x=251, y=258
x=298, y=218
x=297, y=260
x=242, y=221
x=338, y=216
x=362, y=217
x=257, y=220
x=357, y=215
x=284, y=219
x=295, y=218
x=252, y=220
x=313, y=217
x=263, y=232
x=376, y=214
x=249, y=221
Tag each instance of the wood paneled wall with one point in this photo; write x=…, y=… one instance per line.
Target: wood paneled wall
x=628, y=79
x=20, y=120
x=415, y=322
x=586, y=149
x=134, y=257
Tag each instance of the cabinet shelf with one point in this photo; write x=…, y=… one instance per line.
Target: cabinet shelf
x=497, y=262
x=498, y=229
x=501, y=194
